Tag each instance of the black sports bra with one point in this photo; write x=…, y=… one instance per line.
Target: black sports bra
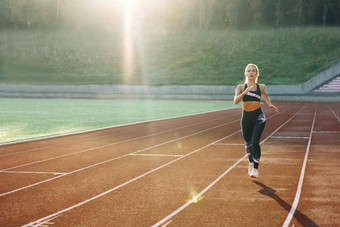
x=252, y=95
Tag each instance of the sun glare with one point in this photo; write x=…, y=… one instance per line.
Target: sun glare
x=128, y=42
x=132, y=14
x=193, y=196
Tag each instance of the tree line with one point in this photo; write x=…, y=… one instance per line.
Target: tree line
x=272, y=13
x=169, y=14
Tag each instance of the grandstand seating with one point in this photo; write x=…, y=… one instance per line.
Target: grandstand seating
x=332, y=86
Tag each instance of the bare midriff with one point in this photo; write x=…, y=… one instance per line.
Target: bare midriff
x=251, y=106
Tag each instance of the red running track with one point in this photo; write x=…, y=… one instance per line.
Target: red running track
x=187, y=171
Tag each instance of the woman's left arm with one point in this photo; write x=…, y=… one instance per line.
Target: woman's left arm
x=266, y=98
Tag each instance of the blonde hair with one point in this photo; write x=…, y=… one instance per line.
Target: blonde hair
x=257, y=72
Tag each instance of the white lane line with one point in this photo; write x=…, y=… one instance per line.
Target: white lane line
x=298, y=192
x=167, y=223
x=107, y=145
x=170, y=155
x=147, y=173
x=127, y=182
x=334, y=113
x=290, y=137
x=112, y=127
x=87, y=167
x=28, y=172
x=198, y=195
x=35, y=224
x=109, y=134
x=110, y=160
x=327, y=132
x=216, y=180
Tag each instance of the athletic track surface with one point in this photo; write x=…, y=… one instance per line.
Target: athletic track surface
x=187, y=171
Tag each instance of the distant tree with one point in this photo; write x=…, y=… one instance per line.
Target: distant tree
x=231, y=13
x=29, y=11
x=300, y=5
x=5, y=13
x=203, y=14
x=337, y=13
x=325, y=10
x=267, y=16
x=289, y=12
x=278, y=12
x=57, y=6
x=328, y=5
x=169, y=14
x=218, y=14
x=191, y=17
x=245, y=18
x=255, y=6
x=239, y=13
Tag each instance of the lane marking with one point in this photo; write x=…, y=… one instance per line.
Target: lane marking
x=334, y=113
x=37, y=223
x=113, y=159
x=111, y=144
x=127, y=182
x=109, y=134
x=198, y=195
x=299, y=188
x=167, y=223
x=330, y=132
x=107, y=145
x=29, y=172
x=170, y=155
x=217, y=179
x=147, y=173
x=92, y=138
x=110, y=160
x=113, y=127
x=290, y=137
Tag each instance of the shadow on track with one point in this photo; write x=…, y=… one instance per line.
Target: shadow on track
x=300, y=217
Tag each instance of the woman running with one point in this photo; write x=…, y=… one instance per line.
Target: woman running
x=253, y=119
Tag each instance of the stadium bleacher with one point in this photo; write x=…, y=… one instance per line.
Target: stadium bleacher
x=332, y=86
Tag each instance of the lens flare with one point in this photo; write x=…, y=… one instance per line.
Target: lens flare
x=128, y=43
x=193, y=196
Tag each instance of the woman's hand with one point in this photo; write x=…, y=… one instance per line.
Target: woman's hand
x=274, y=108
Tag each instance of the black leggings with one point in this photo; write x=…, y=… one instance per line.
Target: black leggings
x=253, y=124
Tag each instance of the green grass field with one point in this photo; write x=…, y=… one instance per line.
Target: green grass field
x=285, y=56
x=23, y=119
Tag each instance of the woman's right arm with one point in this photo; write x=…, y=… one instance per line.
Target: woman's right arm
x=239, y=94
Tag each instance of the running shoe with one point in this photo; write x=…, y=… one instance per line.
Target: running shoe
x=250, y=168
x=254, y=173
